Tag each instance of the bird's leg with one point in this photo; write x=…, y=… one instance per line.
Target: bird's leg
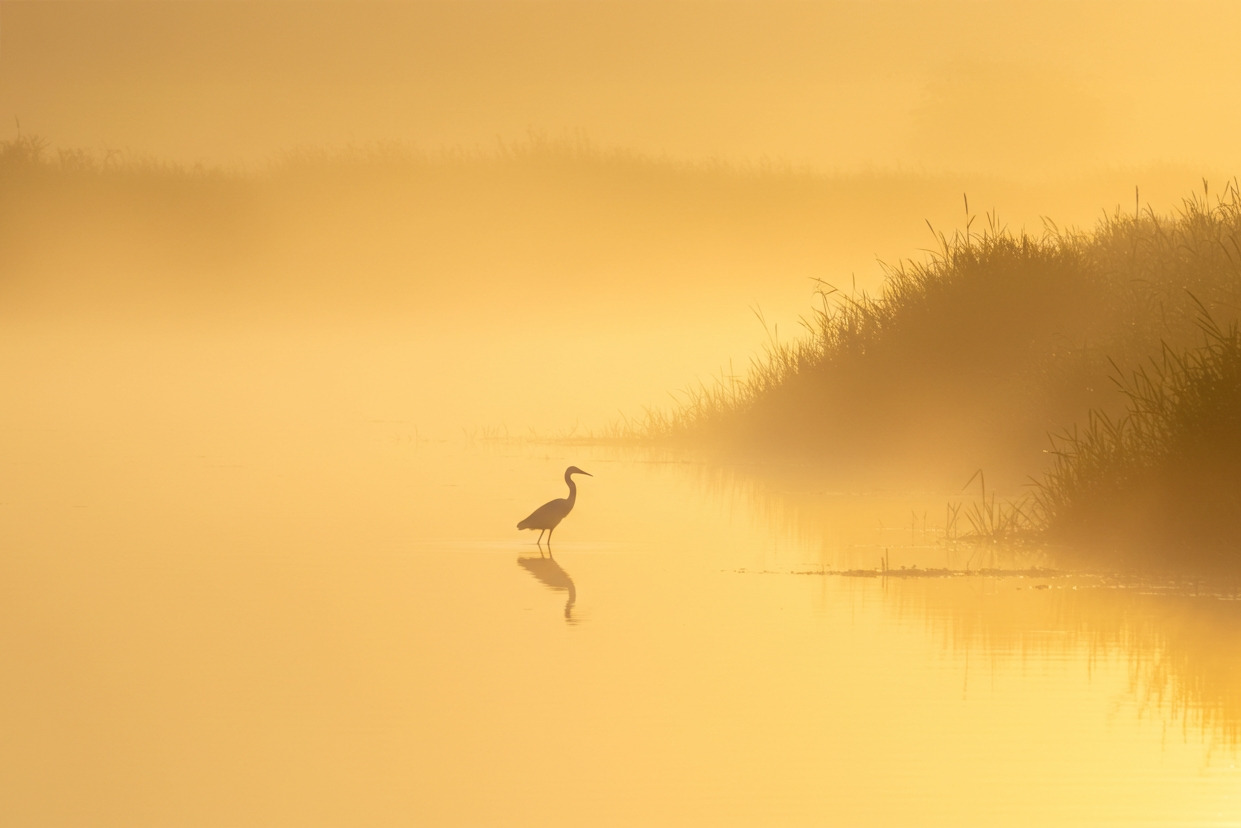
x=539, y=542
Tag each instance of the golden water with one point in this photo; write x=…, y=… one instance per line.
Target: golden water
x=335, y=623
x=257, y=567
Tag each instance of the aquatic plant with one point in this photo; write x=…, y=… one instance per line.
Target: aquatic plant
x=970, y=357
x=1159, y=482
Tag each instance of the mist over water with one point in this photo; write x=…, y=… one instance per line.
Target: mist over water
x=607, y=191
x=293, y=298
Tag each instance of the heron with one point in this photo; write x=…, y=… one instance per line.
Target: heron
x=548, y=516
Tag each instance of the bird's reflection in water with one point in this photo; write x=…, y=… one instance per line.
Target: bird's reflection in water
x=553, y=577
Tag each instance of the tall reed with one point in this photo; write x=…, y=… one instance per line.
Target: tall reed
x=1159, y=483
x=968, y=358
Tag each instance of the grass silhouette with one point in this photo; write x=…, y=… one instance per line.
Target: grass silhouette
x=969, y=358
x=1161, y=480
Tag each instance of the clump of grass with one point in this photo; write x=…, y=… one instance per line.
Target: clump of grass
x=22, y=154
x=993, y=518
x=970, y=357
x=1159, y=482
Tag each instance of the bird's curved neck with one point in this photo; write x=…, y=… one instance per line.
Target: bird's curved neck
x=568, y=478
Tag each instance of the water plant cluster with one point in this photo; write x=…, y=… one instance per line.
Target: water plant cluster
x=1118, y=345
x=1162, y=478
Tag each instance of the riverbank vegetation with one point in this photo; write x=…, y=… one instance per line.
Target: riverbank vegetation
x=1162, y=479
x=970, y=359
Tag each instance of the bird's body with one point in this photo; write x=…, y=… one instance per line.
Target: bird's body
x=548, y=516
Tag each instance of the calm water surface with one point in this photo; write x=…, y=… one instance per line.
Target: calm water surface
x=339, y=625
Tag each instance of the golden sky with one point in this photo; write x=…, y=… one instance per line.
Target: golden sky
x=996, y=86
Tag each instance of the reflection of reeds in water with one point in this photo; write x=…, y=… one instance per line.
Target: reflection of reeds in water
x=1009, y=601
x=553, y=576
x=1180, y=649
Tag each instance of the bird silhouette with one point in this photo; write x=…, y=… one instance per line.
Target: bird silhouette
x=548, y=516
